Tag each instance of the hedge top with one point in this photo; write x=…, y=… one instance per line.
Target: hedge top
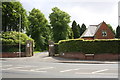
x=13, y=37
x=89, y=46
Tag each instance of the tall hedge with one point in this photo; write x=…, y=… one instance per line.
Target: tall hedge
x=89, y=46
x=11, y=39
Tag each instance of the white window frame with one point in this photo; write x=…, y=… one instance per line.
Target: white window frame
x=104, y=33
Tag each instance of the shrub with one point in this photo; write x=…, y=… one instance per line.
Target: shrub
x=11, y=40
x=12, y=37
x=12, y=48
x=89, y=46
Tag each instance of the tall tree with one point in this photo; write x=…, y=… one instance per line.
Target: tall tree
x=118, y=32
x=11, y=14
x=75, y=29
x=59, y=21
x=38, y=29
x=82, y=29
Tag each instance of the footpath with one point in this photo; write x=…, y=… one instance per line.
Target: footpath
x=43, y=57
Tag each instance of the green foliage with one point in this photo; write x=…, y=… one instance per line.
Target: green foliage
x=56, y=48
x=76, y=30
x=12, y=37
x=39, y=29
x=82, y=29
x=118, y=32
x=59, y=21
x=11, y=13
x=89, y=46
x=111, y=28
x=12, y=48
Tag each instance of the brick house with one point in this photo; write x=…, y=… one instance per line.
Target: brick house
x=100, y=31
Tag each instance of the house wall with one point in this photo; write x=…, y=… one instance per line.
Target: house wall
x=104, y=27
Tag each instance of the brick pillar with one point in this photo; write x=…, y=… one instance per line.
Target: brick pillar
x=51, y=48
x=29, y=48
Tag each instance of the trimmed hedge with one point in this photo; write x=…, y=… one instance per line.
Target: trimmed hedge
x=89, y=46
x=13, y=48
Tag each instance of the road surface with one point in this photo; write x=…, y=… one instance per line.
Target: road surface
x=42, y=66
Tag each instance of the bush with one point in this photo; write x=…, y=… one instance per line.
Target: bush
x=13, y=48
x=12, y=37
x=89, y=46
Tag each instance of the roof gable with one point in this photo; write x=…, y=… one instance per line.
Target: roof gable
x=91, y=30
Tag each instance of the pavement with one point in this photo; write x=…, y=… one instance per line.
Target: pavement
x=43, y=56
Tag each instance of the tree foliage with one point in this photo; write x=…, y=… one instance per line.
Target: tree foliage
x=11, y=13
x=39, y=29
x=82, y=29
x=59, y=21
x=118, y=32
x=111, y=28
x=13, y=37
x=76, y=30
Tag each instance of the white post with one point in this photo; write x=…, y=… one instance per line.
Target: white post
x=19, y=35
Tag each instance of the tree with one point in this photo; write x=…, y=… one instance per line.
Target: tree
x=70, y=33
x=11, y=13
x=118, y=32
x=76, y=29
x=38, y=29
x=110, y=27
x=82, y=29
x=59, y=21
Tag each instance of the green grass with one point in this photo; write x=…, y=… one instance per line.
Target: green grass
x=36, y=52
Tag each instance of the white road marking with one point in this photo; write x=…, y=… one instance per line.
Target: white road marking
x=2, y=61
x=12, y=68
x=81, y=73
x=44, y=68
x=70, y=70
x=32, y=71
x=99, y=71
x=16, y=67
x=7, y=65
x=47, y=58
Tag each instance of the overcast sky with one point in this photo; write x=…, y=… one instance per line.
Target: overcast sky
x=90, y=12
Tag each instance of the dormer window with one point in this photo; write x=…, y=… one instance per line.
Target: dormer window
x=104, y=33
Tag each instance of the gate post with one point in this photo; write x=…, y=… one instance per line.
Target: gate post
x=29, y=48
x=51, y=48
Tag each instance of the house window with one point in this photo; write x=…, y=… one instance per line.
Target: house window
x=104, y=33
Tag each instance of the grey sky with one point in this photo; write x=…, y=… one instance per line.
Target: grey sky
x=90, y=12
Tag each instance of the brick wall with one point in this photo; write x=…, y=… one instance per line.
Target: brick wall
x=11, y=54
x=82, y=56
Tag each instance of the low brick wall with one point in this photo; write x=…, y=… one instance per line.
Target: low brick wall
x=83, y=56
x=12, y=54
x=76, y=55
x=106, y=56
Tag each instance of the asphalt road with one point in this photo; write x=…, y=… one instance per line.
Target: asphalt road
x=41, y=66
